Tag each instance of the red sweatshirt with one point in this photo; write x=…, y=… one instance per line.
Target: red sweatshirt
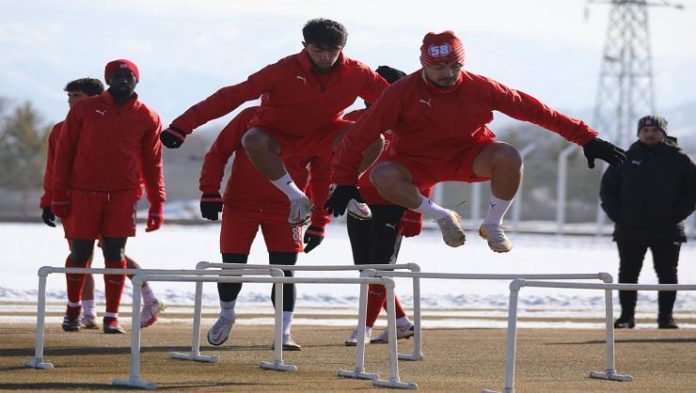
x=53, y=137
x=246, y=187
x=432, y=125
x=296, y=103
x=106, y=147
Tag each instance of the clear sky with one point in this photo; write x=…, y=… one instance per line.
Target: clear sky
x=188, y=49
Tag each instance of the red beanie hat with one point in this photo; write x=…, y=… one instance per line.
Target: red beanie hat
x=120, y=64
x=441, y=48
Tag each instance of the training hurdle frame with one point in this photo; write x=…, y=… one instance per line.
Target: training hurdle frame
x=358, y=371
x=610, y=372
x=393, y=382
x=43, y=272
x=417, y=276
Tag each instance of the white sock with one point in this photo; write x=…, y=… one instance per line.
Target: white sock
x=88, y=308
x=227, y=309
x=496, y=210
x=71, y=304
x=110, y=315
x=288, y=186
x=287, y=321
x=368, y=331
x=431, y=209
x=148, y=295
x=403, y=322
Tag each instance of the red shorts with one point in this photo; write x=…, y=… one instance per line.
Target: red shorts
x=101, y=214
x=428, y=172
x=239, y=227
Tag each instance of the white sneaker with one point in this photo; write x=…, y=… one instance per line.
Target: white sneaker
x=496, y=238
x=352, y=341
x=359, y=210
x=300, y=211
x=289, y=344
x=89, y=322
x=451, y=228
x=220, y=332
x=150, y=313
x=407, y=332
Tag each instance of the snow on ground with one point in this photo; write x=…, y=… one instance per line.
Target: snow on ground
x=29, y=246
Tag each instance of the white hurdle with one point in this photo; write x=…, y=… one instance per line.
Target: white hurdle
x=418, y=275
x=610, y=371
x=393, y=382
x=43, y=273
x=358, y=371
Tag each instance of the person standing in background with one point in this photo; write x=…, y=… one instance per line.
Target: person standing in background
x=108, y=146
x=78, y=90
x=648, y=198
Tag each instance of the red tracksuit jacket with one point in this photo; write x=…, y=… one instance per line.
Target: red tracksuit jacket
x=296, y=103
x=106, y=147
x=432, y=125
x=246, y=187
x=53, y=137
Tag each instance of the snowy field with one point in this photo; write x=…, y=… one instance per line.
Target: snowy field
x=447, y=303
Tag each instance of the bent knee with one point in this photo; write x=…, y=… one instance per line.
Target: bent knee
x=256, y=139
x=387, y=173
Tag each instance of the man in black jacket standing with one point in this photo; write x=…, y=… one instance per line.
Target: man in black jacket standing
x=648, y=199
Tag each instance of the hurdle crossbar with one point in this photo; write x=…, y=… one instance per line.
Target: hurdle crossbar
x=610, y=372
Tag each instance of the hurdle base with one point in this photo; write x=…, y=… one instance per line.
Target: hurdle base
x=194, y=357
x=610, y=375
x=411, y=357
x=278, y=366
x=394, y=383
x=135, y=382
x=357, y=374
x=39, y=364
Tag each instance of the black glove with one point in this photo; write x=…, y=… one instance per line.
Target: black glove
x=48, y=217
x=172, y=137
x=313, y=237
x=599, y=148
x=390, y=74
x=211, y=205
x=337, y=202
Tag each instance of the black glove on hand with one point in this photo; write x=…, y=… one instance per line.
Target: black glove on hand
x=599, y=148
x=337, y=202
x=172, y=137
x=313, y=237
x=48, y=217
x=211, y=205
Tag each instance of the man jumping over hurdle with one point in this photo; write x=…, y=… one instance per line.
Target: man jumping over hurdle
x=438, y=115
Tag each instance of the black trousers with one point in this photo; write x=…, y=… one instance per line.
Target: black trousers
x=376, y=241
x=229, y=291
x=665, y=260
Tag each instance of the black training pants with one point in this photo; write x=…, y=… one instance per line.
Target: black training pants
x=665, y=260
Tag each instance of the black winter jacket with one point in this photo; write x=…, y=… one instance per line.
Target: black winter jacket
x=651, y=194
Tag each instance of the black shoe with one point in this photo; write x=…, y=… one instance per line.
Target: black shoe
x=624, y=323
x=70, y=325
x=666, y=323
x=111, y=326
x=71, y=320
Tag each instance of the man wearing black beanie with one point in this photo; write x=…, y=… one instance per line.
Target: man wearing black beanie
x=648, y=199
